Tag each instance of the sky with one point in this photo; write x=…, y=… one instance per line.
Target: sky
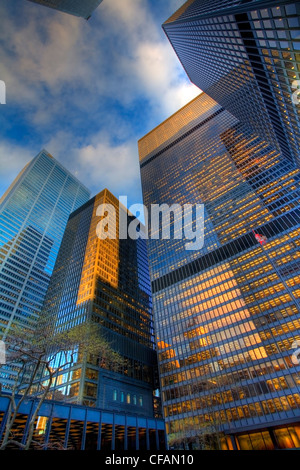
x=87, y=91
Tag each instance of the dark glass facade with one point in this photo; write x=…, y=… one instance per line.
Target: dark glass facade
x=246, y=56
x=227, y=315
x=106, y=281
x=33, y=215
x=73, y=7
x=61, y=426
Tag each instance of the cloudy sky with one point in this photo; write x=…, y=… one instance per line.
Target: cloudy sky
x=86, y=91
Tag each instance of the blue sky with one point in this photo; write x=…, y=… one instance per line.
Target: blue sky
x=87, y=90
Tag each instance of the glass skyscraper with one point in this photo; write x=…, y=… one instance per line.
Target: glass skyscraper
x=33, y=216
x=226, y=316
x=83, y=8
x=105, y=282
x=246, y=56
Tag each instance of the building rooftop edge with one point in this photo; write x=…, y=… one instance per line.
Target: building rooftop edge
x=172, y=115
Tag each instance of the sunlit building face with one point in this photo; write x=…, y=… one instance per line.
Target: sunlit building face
x=226, y=316
x=246, y=56
x=105, y=281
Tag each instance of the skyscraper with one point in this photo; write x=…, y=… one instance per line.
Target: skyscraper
x=83, y=8
x=246, y=56
x=105, y=282
x=33, y=215
x=226, y=316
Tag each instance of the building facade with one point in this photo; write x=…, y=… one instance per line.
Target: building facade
x=226, y=316
x=246, y=56
x=73, y=7
x=105, y=281
x=62, y=426
x=33, y=215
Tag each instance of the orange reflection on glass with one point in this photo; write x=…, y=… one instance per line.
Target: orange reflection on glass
x=101, y=260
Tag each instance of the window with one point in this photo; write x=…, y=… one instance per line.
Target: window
x=291, y=10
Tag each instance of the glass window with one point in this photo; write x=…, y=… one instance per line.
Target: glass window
x=279, y=23
x=293, y=22
x=284, y=44
x=276, y=11
x=295, y=34
x=267, y=24
x=282, y=34
x=40, y=427
x=244, y=442
x=291, y=9
x=264, y=13
x=283, y=438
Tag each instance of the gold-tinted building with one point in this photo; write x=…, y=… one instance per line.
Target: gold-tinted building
x=105, y=281
x=226, y=316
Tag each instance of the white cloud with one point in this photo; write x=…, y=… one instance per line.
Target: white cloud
x=12, y=160
x=101, y=163
x=78, y=86
x=54, y=62
x=162, y=78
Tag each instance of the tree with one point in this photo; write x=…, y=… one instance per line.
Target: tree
x=39, y=356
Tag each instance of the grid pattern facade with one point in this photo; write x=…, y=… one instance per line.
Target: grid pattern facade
x=33, y=215
x=227, y=315
x=246, y=56
x=74, y=7
x=105, y=281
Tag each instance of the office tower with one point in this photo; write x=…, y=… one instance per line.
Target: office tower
x=226, y=316
x=105, y=282
x=83, y=8
x=33, y=215
x=246, y=56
